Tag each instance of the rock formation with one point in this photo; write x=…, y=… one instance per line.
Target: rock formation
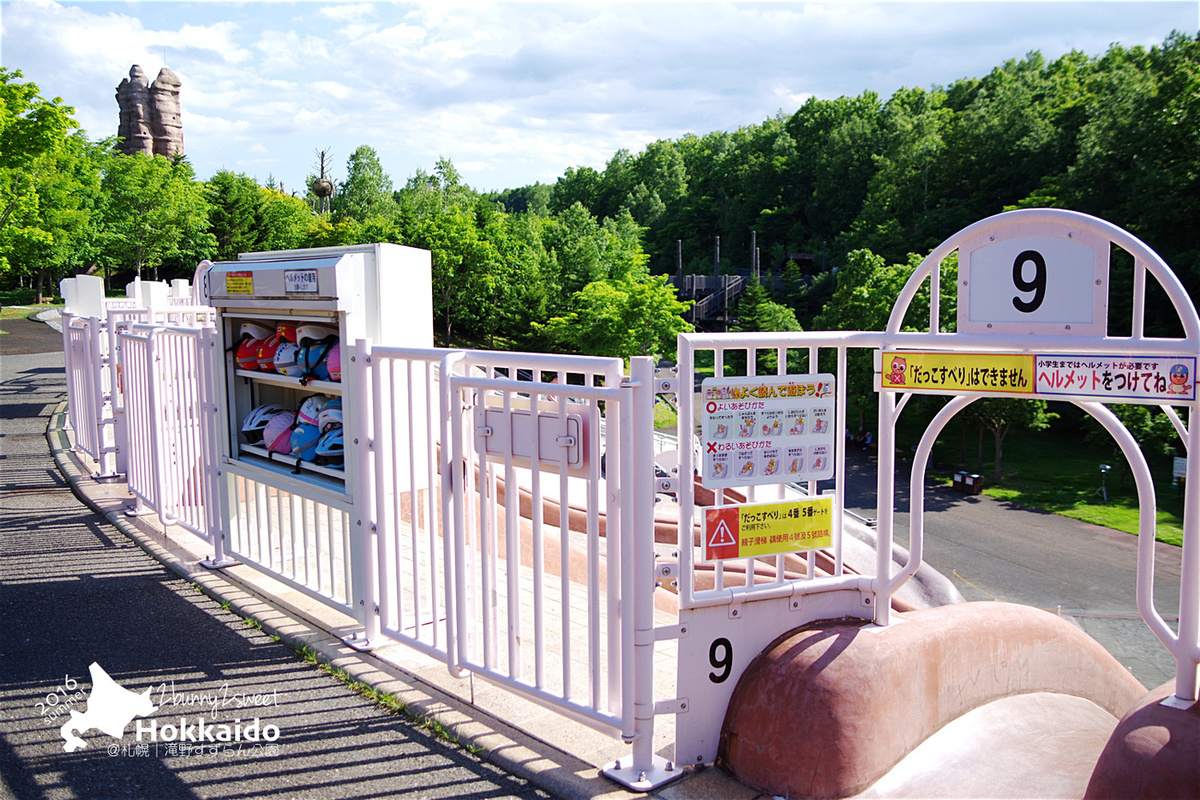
x=150, y=120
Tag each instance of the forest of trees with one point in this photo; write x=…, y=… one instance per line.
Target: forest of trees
x=865, y=184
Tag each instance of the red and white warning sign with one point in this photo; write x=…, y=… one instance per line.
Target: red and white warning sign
x=764, y=529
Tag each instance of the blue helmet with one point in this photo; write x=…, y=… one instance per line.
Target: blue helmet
x=304, y=442
x=330, y=449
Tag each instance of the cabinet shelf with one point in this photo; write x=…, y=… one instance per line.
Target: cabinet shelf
x=289, y=463
x=275, y=379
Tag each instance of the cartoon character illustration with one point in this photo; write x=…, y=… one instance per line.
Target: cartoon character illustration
x=797, y=464
x=772, y=429
x=747, y=427
x=1179, y=380
x=718, y=469
x=772, y=467
x=898, y=366
x=722, y=431
x=818, y=464
x=819, y=426
x=747, y=469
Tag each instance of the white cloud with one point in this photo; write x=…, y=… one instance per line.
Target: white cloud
x=347, y=11
x=519, y=92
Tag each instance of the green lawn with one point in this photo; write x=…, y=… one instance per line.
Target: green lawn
x=18, y=304
x=1057, y=471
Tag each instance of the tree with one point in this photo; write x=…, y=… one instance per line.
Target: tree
x=998, y=415
x=620, y=317
x=285, y=220
x=367, y=190
x=1149, y=426
x=46, y=185
x=154, y=211
x=236, y=213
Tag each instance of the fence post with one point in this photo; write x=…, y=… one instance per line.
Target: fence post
x=645, y=771
x=364, y=537
x=453, y=508
x=209, y=359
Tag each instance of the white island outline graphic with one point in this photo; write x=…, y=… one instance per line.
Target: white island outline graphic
x=110, y=709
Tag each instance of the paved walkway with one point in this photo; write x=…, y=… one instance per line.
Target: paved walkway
x=74, y=590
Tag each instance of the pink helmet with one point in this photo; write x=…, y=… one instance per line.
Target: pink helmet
x=333, y=363
x=277, y=436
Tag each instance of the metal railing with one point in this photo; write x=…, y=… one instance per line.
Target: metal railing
x=170, y=424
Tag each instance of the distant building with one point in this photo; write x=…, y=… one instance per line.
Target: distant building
x=150, y=119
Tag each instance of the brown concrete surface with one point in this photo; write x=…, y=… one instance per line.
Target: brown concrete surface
x=1153, y=753
x=833, y=707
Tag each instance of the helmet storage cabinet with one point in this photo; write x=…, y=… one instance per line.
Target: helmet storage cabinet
x=288, y=388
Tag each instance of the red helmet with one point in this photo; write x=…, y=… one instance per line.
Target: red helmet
x=266, y=352
x=286, y=331
x=247, y=353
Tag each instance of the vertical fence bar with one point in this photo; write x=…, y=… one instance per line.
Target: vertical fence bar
x=642, y=567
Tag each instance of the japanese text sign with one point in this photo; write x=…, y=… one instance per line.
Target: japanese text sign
x=1146, y=379
x=765, y=529
x=767, y=429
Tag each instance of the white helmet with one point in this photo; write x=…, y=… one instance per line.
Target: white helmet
x=310, y=408
x=313, y=333
x=331, y=415
x=256, y=421
x=255, y=330
x=286, y=362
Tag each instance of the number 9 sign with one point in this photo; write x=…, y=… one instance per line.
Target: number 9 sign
x=1039, y=278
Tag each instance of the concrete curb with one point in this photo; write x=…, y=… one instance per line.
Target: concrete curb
x=499, y=743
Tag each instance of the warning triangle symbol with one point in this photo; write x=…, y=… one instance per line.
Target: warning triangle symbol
x=722, y=536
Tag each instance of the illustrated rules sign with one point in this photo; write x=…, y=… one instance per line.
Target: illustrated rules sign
x=767, y=429
x=767, y=529
x=1129, y=379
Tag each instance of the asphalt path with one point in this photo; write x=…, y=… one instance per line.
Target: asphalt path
x=997, y=550
x=74, y=590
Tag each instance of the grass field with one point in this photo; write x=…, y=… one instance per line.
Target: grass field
x=18, y=304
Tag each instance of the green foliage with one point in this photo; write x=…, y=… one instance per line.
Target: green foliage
x=620, y=317
x=367, y=190
x=48, y=184
x=154, y=211
x=999, y=415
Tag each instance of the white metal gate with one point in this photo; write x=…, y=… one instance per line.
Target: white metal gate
x=525, y=429
x=170, y=426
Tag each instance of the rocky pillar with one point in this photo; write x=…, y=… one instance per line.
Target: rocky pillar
x=165, y=121
x=133, y=98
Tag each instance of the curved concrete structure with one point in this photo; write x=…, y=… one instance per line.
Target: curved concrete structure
x=1153, y=753
x=830, y=708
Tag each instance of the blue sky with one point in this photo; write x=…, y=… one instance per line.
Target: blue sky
x=514, y=93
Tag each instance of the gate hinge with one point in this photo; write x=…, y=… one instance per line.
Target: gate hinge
x=666, y=485
x=678, y=705
x=666, y=381
x=665, y=633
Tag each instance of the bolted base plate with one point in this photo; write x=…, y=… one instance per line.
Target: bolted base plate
x=359, y=642
x=660, y=773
